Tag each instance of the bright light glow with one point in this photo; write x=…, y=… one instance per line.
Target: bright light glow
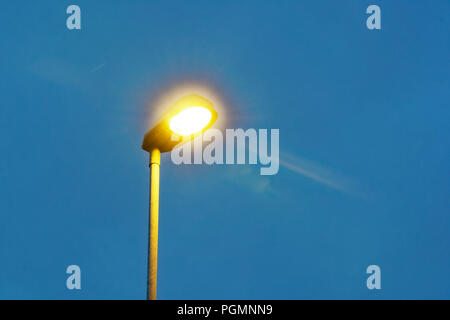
x=190, y=120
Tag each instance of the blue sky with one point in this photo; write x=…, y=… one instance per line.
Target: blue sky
x=369, y=109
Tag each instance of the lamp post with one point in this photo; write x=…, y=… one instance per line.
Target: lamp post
x=189, y=117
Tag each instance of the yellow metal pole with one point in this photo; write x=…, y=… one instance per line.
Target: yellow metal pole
x=155, y=159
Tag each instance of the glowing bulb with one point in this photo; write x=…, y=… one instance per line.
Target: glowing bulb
x=190, y=120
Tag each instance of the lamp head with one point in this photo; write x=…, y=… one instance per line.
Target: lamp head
x=186, y=119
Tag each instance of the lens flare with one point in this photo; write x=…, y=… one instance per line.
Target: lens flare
x=190, y=120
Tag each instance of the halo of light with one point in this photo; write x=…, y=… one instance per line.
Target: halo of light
x=190, y=120
x=167, y=95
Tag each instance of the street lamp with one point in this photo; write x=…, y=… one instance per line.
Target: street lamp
x=182, y=122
